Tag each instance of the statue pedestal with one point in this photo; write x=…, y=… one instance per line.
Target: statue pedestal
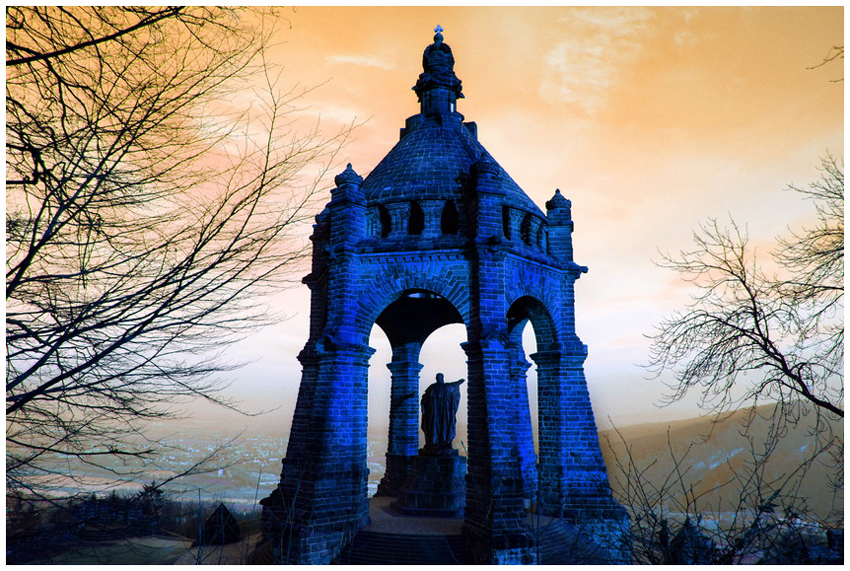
x=435, y=487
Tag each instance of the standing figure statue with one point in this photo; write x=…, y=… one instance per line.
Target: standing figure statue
x=439, y=406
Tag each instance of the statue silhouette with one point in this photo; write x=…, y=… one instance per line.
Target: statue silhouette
x=439, y=406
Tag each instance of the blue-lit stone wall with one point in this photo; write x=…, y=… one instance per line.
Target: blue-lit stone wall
x=496, y=281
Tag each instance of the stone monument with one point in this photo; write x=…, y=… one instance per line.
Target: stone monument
x=439, y=409
x=439, y=233
x=436, y=483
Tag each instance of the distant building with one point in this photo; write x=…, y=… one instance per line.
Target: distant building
x=439, y=233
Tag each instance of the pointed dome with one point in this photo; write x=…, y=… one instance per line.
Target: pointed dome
x=434, y=158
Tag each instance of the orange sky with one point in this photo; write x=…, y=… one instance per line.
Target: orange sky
x=650, y=120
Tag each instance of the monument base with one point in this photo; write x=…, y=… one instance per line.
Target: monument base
x=436, y=487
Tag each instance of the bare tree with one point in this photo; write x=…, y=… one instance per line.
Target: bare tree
x=155, y=185
x=749, y=336
x=747, y=507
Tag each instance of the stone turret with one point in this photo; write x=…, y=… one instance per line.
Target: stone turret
x=347, y=208
x=558, y=212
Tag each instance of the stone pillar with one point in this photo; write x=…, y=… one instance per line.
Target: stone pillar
x=515, y=221
x=572, y=477
x=323, y=497
x=495, y=526
x=433, y=210
x=550, y=422
x=399, y=216
x=533, y=228
x=525, y=432
x=404, y=417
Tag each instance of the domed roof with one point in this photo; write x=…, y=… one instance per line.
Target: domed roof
x=434, y=162
x=434, y=158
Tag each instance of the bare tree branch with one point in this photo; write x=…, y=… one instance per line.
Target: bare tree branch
x=157, y=185
x=748, y=337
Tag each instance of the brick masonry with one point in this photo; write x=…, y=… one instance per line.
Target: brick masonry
x=438, y=233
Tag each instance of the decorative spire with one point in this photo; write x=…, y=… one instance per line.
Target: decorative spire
x=348, y=176
x=438, y=70
x=558, y=201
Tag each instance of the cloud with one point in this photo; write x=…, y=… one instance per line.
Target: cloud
x=582, y=69
x=685, y=39
x=364, y=61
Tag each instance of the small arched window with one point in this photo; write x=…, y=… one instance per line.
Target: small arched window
x=449, y=221
x=525, y=229
x=386, y=222
x=416, y=222
x=506, y=221
x=541, y=238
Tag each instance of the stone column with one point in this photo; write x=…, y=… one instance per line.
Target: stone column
x=404, y=417
x=550, y=422
x=494, y=525
x=495, y=517
x=525, y=432
x=399, y=216
x=515, y=221
x=433, y=210
x=572, y=476
x=322, y=500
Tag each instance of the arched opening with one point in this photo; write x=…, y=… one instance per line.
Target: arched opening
x=525, y=229
x=449, y=218
x=385, y=220
x=506, y=221
x=407, y=322
x=416, y=222
x=378, y=395
x=442, y=353
x=527, y=344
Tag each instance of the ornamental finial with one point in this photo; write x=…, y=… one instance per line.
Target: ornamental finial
x=438, y=37
x=348, y=176
x=558, y=201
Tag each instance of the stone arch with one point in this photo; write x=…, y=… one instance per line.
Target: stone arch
x=528, y=308
x=530, y=291
x=523, y=310
x=414, y=315
x=409, y=306
x=389, y=286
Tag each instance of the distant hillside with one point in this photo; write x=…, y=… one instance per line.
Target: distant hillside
x=719, y=463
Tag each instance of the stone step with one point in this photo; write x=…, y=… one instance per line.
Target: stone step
x=377, y=548
x=559, y=543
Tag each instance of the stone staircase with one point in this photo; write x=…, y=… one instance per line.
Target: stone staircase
x=379, y=548
x=393, y=539
x=559, y=543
